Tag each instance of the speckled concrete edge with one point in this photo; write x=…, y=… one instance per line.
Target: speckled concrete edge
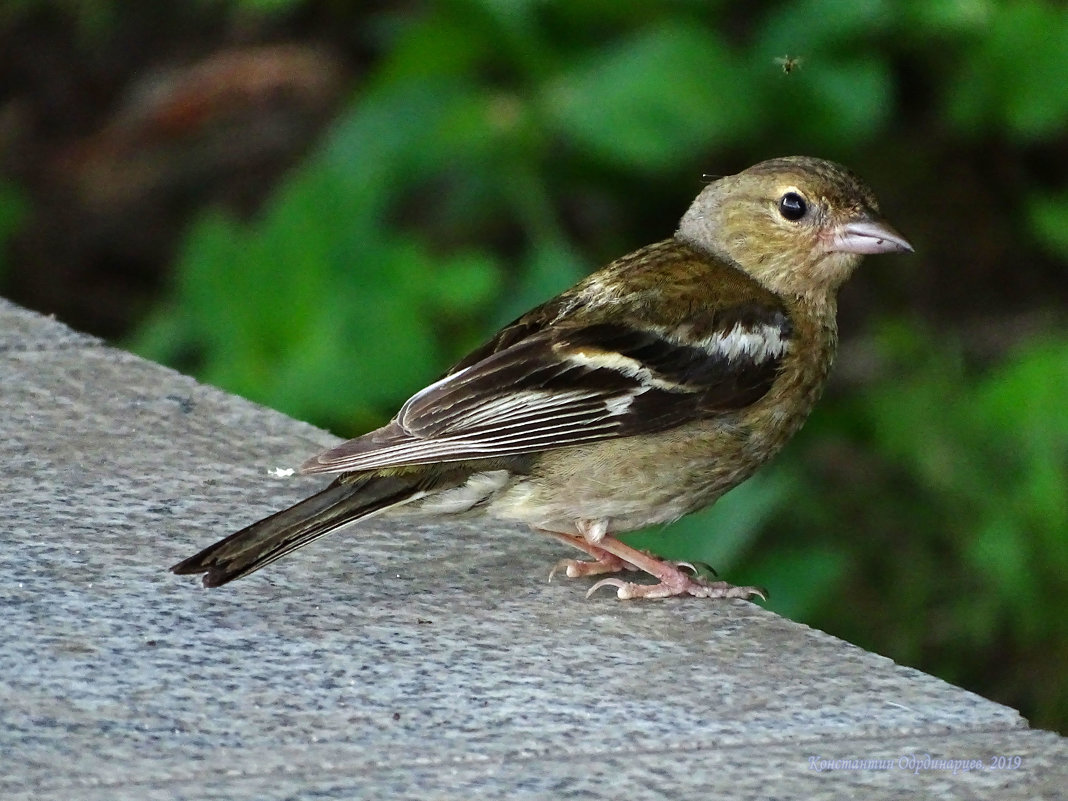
x=22, y=330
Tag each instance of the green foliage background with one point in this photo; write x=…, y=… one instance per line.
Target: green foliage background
x=499, y=149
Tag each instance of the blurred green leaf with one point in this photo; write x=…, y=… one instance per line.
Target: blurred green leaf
x=1049, y=220
x=268, y=6
x=649, y=100
x=465, y=282
x=1015, y=74
x=853, y=97
x=810, y=27
x=548, y=271
x=441, y=44
x=800, y=580
x=947, y=18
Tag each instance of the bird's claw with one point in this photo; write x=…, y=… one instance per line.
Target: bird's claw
x=701, y=568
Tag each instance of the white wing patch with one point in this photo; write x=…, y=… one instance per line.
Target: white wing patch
x=624, y=365
x=756, y=344
x=617, y=407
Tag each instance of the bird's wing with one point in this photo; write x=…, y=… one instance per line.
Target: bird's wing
x=549, y=381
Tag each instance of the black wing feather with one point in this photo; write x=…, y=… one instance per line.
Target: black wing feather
x=534, y=395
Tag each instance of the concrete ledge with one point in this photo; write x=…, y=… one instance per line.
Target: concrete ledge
x=389, y=662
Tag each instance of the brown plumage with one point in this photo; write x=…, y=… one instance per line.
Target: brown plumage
x=643, y=393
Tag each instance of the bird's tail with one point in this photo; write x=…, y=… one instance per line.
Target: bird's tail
x=283, y=532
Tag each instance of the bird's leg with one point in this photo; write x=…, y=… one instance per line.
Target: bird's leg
x=604, y=562
x=672, y=580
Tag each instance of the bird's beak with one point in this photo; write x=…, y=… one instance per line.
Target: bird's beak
x=866, y=237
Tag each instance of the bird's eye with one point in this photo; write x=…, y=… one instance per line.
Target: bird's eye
x=792, y=206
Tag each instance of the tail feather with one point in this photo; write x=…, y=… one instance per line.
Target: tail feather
x=283, y=532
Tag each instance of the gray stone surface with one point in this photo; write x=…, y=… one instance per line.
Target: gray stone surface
x=22, y=329
x=427, y=661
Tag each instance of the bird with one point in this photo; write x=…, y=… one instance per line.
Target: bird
x=641, y=394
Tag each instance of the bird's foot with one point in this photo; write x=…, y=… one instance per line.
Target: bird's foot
x=574, y=568
x=603, y=561
x=626, y=590
x=673, y=578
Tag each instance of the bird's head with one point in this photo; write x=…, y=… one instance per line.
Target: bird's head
x=798, y=225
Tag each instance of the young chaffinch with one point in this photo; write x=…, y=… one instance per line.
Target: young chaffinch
x=641, y=394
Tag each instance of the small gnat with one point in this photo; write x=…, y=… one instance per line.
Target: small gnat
x=281, y=472
x=790, y=64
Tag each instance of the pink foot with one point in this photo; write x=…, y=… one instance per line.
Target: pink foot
x=612, y=556
x=603, y=562
x=670, y=576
